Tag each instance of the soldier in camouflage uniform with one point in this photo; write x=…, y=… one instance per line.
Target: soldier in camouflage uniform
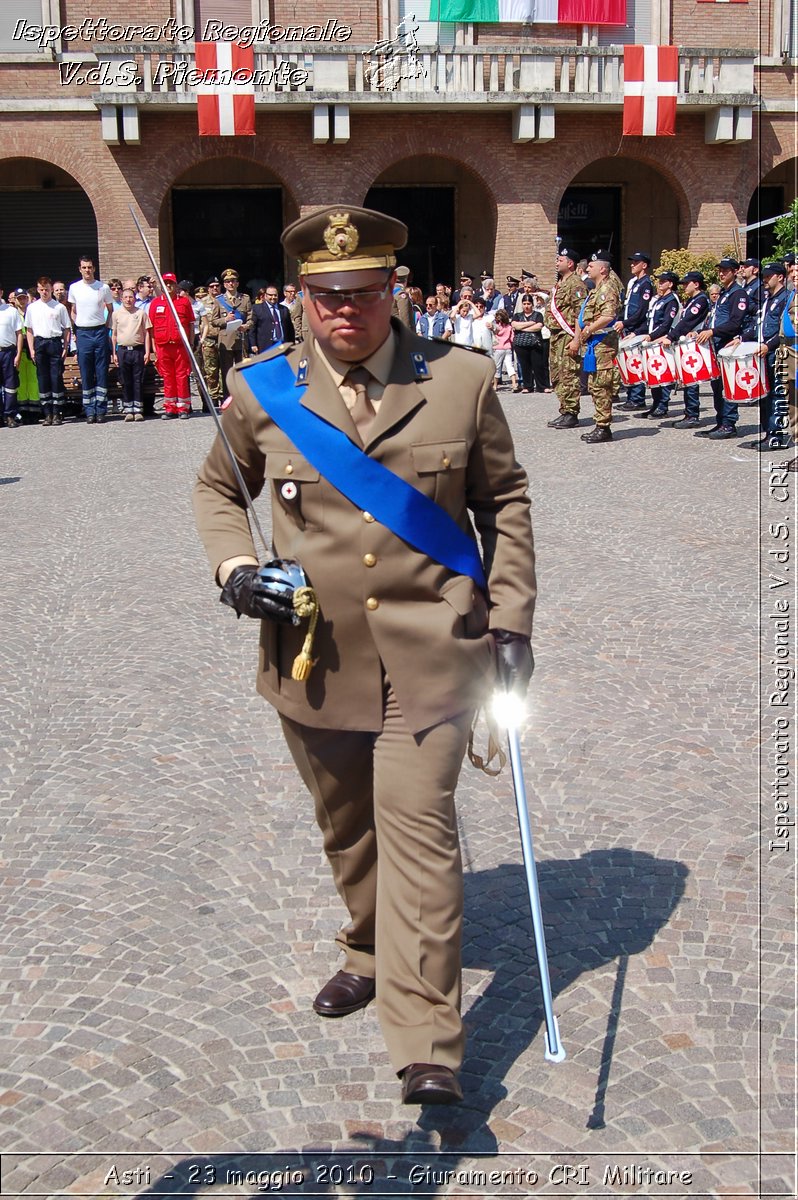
x=561, y=314
x=209, y=343
x=597, y=318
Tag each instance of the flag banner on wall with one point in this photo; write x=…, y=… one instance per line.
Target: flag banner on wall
x=226, y=95
x=531, y=12
x=650, y=86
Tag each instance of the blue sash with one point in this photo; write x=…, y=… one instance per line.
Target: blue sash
x=369, y=485
x=786, y=321
x=589, y=359
x=228, y=306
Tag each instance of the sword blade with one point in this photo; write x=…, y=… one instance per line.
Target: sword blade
x=197, y=373
x=555, y=1051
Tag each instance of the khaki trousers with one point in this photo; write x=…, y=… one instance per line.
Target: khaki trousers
x=385, y=805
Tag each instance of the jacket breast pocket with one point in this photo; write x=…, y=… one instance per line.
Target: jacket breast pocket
x=296, y=488
x=440, y=465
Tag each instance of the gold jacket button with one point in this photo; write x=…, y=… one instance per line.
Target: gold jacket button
x=289, y=470
x=447, y=462
x=371, y=603
x=370, y=560
x=368, y=517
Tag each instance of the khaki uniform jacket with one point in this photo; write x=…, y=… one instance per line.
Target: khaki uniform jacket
x=219, y=315
x=569, y=294
x=403, y=309
x=382, y=602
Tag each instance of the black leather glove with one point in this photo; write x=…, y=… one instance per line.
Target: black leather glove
x=246, y=592
x=514, y=660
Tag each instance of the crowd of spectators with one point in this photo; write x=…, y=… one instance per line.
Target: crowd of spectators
x=120, y=338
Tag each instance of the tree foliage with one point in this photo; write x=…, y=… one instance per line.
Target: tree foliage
x=786, y=233
x=685, y=260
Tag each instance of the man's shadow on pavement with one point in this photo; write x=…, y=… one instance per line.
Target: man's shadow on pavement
x=605, y=905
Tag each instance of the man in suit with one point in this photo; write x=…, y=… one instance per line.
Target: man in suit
x=406, y=647
x=271, y=323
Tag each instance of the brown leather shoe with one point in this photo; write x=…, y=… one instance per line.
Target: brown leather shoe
x=344, y=994
x=427, y=1083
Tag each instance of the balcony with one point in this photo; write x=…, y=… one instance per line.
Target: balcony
x=587, y=74
x=533, y=82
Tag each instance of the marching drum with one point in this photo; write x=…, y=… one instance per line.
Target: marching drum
x=743, y=372
x=695, y=363
x=659, y=365
x=630, y=360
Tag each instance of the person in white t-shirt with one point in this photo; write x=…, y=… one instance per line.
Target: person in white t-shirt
x=90, y=305
x=463, y=323
x=10, y=352
x=48, y=331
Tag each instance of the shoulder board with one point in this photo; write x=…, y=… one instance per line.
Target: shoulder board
x=459, y=346
x=272, y=352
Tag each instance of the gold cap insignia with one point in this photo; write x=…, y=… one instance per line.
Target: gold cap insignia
x=341, y=237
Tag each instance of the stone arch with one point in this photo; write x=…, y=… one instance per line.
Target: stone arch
x=639, y=201
x=450, y=210
x=225, y=210
x=772, y=196
x=47, y=220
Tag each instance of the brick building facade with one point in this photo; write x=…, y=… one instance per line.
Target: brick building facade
x=505, y=135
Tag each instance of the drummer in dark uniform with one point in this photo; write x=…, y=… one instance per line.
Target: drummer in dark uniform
x=661, y=316
x=727, y=321
x=692, y=319
x=765, y=331
x=634, y=321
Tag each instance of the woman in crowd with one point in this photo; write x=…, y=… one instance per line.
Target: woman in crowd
x=528, y=346
x=463, y=323
x=30, y=409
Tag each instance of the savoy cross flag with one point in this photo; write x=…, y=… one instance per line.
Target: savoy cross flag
x=226, y=93
x=650, y=86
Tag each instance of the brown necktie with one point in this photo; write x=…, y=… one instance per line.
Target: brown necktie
x=362, y=410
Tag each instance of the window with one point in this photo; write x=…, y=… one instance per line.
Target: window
x=636, y=32
x=430, y=33
x=24, y=12
x=229, y=12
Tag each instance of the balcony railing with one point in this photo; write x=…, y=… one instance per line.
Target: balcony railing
x=359, y=74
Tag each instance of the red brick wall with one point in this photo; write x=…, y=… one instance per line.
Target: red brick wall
x=721, y=26
x=520, y=185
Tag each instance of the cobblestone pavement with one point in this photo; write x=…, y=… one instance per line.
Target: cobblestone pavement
x=169, y=916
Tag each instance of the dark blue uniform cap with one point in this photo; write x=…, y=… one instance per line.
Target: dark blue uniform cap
x=639, y=256
x=750, y=262
x=670, y=276
x=789, y=259
x=774, y=268
x=728, y=264
x=693, y=277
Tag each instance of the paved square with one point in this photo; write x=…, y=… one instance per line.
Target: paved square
x=169, y=917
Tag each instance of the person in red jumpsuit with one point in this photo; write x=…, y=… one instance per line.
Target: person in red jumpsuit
x=173, y=360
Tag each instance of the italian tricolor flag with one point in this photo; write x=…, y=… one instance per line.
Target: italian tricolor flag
x=529, y=12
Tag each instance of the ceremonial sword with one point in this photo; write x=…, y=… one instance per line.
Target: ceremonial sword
x=203, y=389
x=507, y=710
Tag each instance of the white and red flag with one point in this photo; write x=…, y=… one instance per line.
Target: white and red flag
x=650, y=86
x=226, y=93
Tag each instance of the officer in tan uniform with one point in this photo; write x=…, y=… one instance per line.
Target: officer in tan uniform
x=209, y=342
x=406, y=647
x=229, y=307
x=402, y=304
x=598, y=341
x=561, y=315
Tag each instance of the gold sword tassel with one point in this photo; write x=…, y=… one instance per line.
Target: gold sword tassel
x=306, y=606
